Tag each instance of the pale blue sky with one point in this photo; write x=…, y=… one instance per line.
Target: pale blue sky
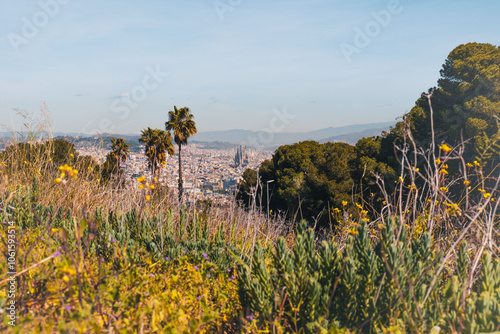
x=232, y=67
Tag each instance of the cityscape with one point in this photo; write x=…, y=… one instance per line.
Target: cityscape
x=208, y=172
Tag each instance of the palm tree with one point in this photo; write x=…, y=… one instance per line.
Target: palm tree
x=158, y=145
x=120, y=149
x=181, y=122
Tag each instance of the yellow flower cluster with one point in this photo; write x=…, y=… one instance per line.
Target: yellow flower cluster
x=66, y=171
x=353, y=231
x=445, y=148
x=453, y=209
x=485, y=194
x=444, y=169
x=412, y=187
x=144, y=185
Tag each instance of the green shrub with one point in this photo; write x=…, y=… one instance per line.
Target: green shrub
x=368, y=286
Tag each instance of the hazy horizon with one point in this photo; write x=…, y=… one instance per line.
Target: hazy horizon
x=295, y=66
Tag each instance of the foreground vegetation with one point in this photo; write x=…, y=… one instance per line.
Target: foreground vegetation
x=414, y=250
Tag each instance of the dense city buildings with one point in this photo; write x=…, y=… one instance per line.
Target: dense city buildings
x=208, y=172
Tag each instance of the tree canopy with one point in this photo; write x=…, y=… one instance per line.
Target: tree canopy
x=466, y=104
x=158, y=143
x=181, y=123
x=310, y=177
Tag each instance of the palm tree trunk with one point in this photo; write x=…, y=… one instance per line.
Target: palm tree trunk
x=153, y=166
x=118, y=175
x=180, y=174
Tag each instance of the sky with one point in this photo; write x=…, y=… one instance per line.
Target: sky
x=288, y=66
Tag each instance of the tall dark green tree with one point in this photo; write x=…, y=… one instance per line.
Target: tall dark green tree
x=364, y=168
x=158, y=145
x=181, y=123
x=308, y=179
x=246, y=187
x=466, y=104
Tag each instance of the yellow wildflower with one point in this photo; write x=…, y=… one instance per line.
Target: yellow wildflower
x=58, y=180
x=152, y=186
x=469, y=164
x=148, y=197
x=486, y=195
x=438, y=161
x=466, y=182
x=353, y=231
x=477, y=163
x=344, y=203
x=445, y=148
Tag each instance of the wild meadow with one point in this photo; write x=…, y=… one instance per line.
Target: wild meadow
x=96, y=255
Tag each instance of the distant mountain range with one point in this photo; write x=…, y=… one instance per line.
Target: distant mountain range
x=260, y=139
x=349, y=134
